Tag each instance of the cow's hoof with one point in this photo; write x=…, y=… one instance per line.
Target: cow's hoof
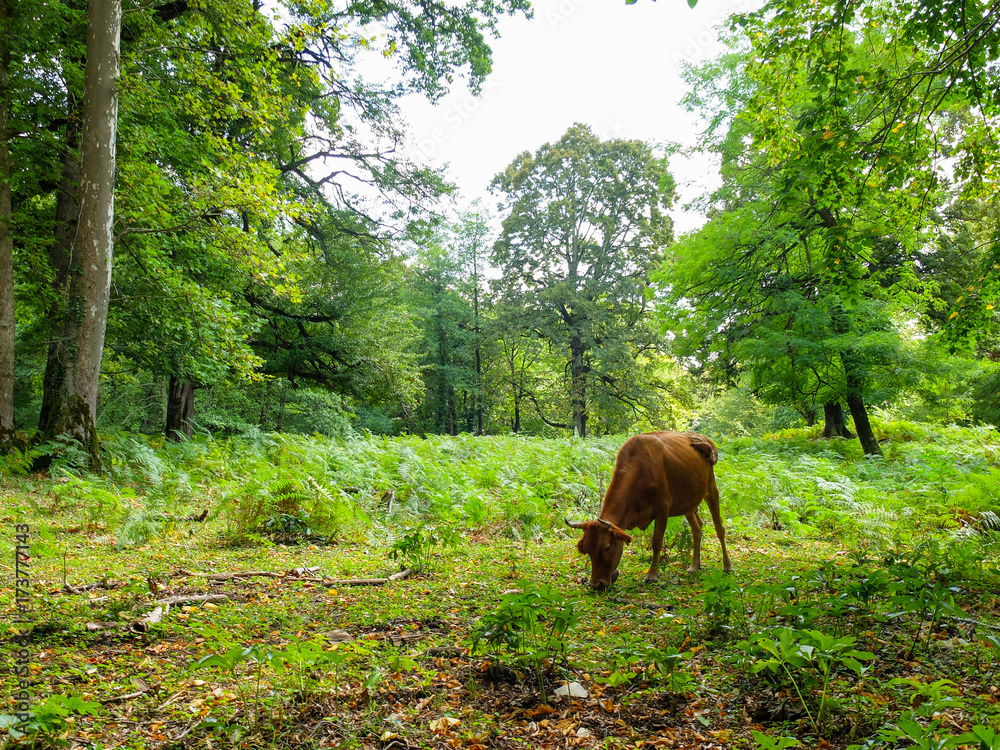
x=652, y=579
x=694, y=569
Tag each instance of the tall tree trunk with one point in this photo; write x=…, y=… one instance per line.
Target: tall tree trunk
x=578, y=385
x=67, y=219
x=452, y=413
x=479, y=386
x=75, y=377
x=517, y=413
x=180, y=409
x=833, y=417
x=7, y=320
x=856, y=403
x=869, y=443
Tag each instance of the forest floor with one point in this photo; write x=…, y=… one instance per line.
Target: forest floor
x=812, y=640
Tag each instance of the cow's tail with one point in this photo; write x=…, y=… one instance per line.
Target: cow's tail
x=705, y=447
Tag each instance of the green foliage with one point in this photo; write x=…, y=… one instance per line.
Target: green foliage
x=140, y=526
x=528, y=628
x=806, y=659
x=634, y=659
x=737, y=412
x=586, y=223
x=773, y=743
x=930, y=699
x=416, y=545
x=50, y=720
x=17, y=462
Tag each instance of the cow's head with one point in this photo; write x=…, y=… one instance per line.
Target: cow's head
x=604, y=542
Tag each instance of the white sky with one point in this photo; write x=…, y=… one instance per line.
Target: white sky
x=612, y=66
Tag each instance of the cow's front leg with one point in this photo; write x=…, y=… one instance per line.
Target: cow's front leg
x=694, y=520
x=654, y=567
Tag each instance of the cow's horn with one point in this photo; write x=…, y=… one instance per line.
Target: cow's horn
x=574, y=524
x=606, y=524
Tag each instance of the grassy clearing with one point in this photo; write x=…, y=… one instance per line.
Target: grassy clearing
x=860, y=585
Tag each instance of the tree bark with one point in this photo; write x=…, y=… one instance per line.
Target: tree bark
x=869, y=443
x=856, y=403
x=833, y=418
x=74, y=377
x=7, y=314
x=180, y=409
x=578, y=385
x=66, y=221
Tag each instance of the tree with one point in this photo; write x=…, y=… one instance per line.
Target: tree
x=7, y=313
x=905, y=95
x=78, y=344
x=240, y=136
x=585, y=223
x=448, y=356
x=520, y=351
x=807, y=262
x=450, y=302
x=470, y=244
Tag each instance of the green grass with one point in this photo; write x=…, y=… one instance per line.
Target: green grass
x=896, y=552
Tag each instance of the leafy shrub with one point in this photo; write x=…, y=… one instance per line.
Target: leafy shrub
x=528, y=628
x=805, y=660
x=416, y=545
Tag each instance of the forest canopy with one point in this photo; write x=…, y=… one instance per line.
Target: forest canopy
x=269, y=260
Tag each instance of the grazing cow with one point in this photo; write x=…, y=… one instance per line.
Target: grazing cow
x=657, y=476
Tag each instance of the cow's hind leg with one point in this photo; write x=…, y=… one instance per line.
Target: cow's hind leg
x=720, y=531
x=654, y=567
x=694, y=521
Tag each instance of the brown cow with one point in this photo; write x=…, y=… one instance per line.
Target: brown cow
x=657, y=476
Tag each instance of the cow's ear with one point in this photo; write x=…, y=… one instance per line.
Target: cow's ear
x=621, y=535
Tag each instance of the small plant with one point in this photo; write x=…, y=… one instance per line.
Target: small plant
x=303, y=657
x=930, y=601
x=773, y=743
x=724, y=602
x=229, y=662
x=929, y=699
x=416, y=546
x=288, y=527
x=636, y=659
x=50, y=720
x=807, y=658
x=529, y=628
x=18, y=459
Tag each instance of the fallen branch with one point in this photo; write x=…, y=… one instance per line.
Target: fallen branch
x=647, y=605
x=143, y=624
x=294, y=575
x=976, y=623
x=230, y=576
x=355, y=582
x=171, y=600
x=119, y=698
x=69, y=588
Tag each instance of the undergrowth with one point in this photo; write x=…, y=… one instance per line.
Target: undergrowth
x=860, y=583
